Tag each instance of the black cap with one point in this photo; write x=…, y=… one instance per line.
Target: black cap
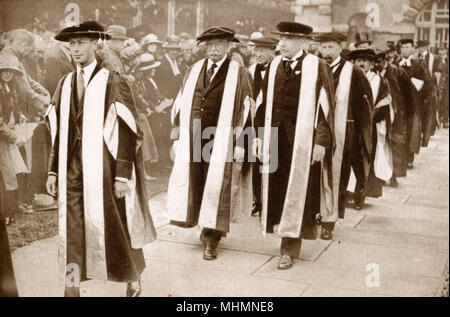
x=218, y=32
x=268, y=42
x=363, y=54
x=406, y=41
x=89, y=29
x=293, y=29
x=381, y=55
x=422, y=43
x=331, y=37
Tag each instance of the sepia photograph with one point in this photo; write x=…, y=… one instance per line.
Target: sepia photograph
x=224, y=154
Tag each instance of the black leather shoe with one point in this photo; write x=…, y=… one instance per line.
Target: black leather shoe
x=256, y=210
x=285, y=262
x=358, y=206
x=326, y=234
x=134, y=292
x=209, y=253
x=393, y=182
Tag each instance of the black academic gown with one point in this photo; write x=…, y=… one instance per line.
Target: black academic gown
x=124, y=264
x=429, y=122
x=417, y=102
x=358, y=136
x=284, y=117
x=399, y=130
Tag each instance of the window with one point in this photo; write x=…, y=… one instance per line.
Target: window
x=432, y=23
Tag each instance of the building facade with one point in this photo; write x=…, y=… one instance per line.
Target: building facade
x=383, y=20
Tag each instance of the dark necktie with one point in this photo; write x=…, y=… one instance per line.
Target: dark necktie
x=287, y=66
x=80, y=85
x=210, y=73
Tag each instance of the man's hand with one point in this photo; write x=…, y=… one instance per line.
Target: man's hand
x=318, y=154
x=51, y=185
x=120, y=189
x=239, y=154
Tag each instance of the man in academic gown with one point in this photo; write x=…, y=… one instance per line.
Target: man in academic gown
x=297, y=144
x=352, y=127
x=381, y=169
x=396, y=77
x=433, y=65
x=210, y=110
x=264, y=53
x=443, y=88
x=418, y=91
x=97, y=171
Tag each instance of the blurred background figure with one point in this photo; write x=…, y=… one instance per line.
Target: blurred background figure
x=168, y=76
x=157, y=110
x=187, y=58
x=151, y=44
x=443, y=88
x=24, y=101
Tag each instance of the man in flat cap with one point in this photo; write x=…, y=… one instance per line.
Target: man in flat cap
x=97, y=171
x=433, y=65
x=352, y=127
x=210, y=111
x=297, y=117
x=417, y=91
x=381, y=169
x=397, y=78
x=263, y=52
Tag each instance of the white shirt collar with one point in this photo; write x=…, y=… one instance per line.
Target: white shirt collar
x=219, y=64
x=406, y=61
x=88, y=70
x=425, y=53
x=294, y=59
x=296, y=56
x=335, y=62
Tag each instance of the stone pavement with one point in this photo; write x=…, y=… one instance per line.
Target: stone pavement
x=402, y=236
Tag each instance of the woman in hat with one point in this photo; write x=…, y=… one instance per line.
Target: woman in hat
x=13, y=165
x=153, y=104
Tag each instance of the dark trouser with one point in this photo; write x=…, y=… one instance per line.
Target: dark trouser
x=410, y=157
x=211, y=237
x=76, y=253
x=291, y=247
x=351, y=159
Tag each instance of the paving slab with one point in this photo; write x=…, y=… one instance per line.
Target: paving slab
x=324, y=291
x=187, y=254
x=183, y=280
x=389, y=284
x=429, y=228
x=36, y=269
x=409, y=212
x=392, y=239
x=352, y=256
x=244, y=236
